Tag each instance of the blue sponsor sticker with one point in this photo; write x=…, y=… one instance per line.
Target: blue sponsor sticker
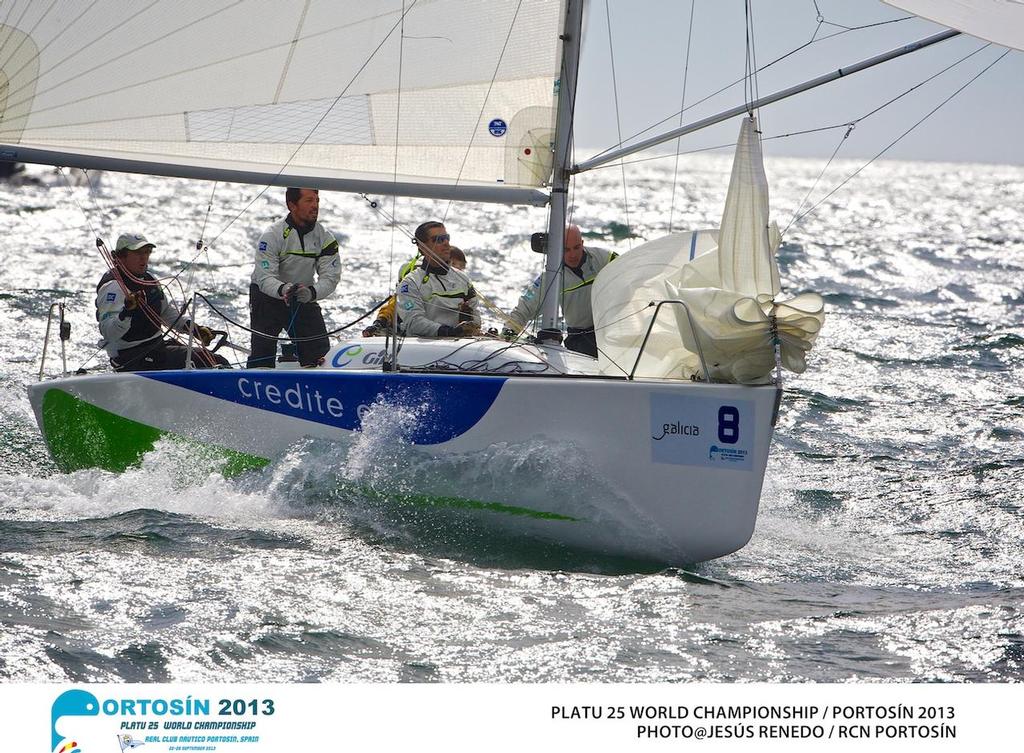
x=111, y=296
x=497, y=127
x=263, y=245
x=404, y=288
x=447, y=406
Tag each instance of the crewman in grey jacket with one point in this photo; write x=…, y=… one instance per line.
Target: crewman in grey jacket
x=134, y=315
x=580, y=268
x=296, y=266
x=434, y=299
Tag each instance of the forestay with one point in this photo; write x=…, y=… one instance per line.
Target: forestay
x=423, y=93
x=729, y=282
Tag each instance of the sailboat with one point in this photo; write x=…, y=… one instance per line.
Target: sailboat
x=452, y=100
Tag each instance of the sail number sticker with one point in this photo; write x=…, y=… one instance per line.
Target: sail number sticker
x=703, y=432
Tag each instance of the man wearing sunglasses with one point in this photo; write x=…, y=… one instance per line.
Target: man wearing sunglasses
x=435, y=300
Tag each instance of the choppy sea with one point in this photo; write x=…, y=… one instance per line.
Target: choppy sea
x=890, y=542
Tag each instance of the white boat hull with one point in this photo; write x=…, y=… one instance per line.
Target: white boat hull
x=663, y=470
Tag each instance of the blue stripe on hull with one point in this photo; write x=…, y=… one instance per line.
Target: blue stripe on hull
x=454, y=404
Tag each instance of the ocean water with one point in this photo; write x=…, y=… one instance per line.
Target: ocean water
x=890, y=542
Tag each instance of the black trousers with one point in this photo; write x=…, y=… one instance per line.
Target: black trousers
x=157, y=355
x=270, y=316
x=582, y=341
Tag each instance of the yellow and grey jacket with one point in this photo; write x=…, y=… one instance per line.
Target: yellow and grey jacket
x=285, y=255
x=429, y=301
x=576, y=285
x=386, y=314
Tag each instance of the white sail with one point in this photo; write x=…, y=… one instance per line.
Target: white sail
x=729, y=283
x=999, y=21
x=420, y=92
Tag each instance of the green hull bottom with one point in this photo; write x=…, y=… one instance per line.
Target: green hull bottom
x=81, y=435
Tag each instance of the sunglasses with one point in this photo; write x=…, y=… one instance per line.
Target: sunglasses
x=440, y=238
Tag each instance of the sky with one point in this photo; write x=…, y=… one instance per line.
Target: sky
x=649, y=44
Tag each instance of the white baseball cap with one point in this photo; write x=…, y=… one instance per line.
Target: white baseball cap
x=132, y=242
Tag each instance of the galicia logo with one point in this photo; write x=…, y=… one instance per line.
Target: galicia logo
x=678, y=429
x=349, y=350
x=497, y=127
x=70, y=703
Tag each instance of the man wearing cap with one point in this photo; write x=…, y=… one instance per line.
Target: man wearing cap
x=134, y=313
x=435, y=299
x=296, y=266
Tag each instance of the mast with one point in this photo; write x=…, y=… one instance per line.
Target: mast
x=552, y=286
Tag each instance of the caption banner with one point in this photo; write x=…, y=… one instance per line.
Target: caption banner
x=249, y=718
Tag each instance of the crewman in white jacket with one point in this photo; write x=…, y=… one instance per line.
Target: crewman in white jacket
x=580, y=268
x=296, y=265
x=435, y=300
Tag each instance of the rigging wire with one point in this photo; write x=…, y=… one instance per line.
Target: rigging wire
x=852, y=124
x=309, y=135
x=618, y=122
x=682, y=108
x=483, y=105
x=897, y=140
x=398, y=126
x=312, y=338
x=743, y=78
x=755, y=87
x=817, y=180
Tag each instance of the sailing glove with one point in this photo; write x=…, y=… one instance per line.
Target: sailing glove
x=300, y=293
x=464, y=329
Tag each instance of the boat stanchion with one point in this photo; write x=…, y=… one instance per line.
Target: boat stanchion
x=46, y=337
x=191, y=336
x=65, y=336
x=696, y=338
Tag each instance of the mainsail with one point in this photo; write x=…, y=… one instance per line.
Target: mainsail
x=435, y=97
x=728, y=283
x=999, y=21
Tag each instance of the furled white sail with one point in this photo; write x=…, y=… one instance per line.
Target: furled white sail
x=428, y=93
x=999, y=21
x=727, y=282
